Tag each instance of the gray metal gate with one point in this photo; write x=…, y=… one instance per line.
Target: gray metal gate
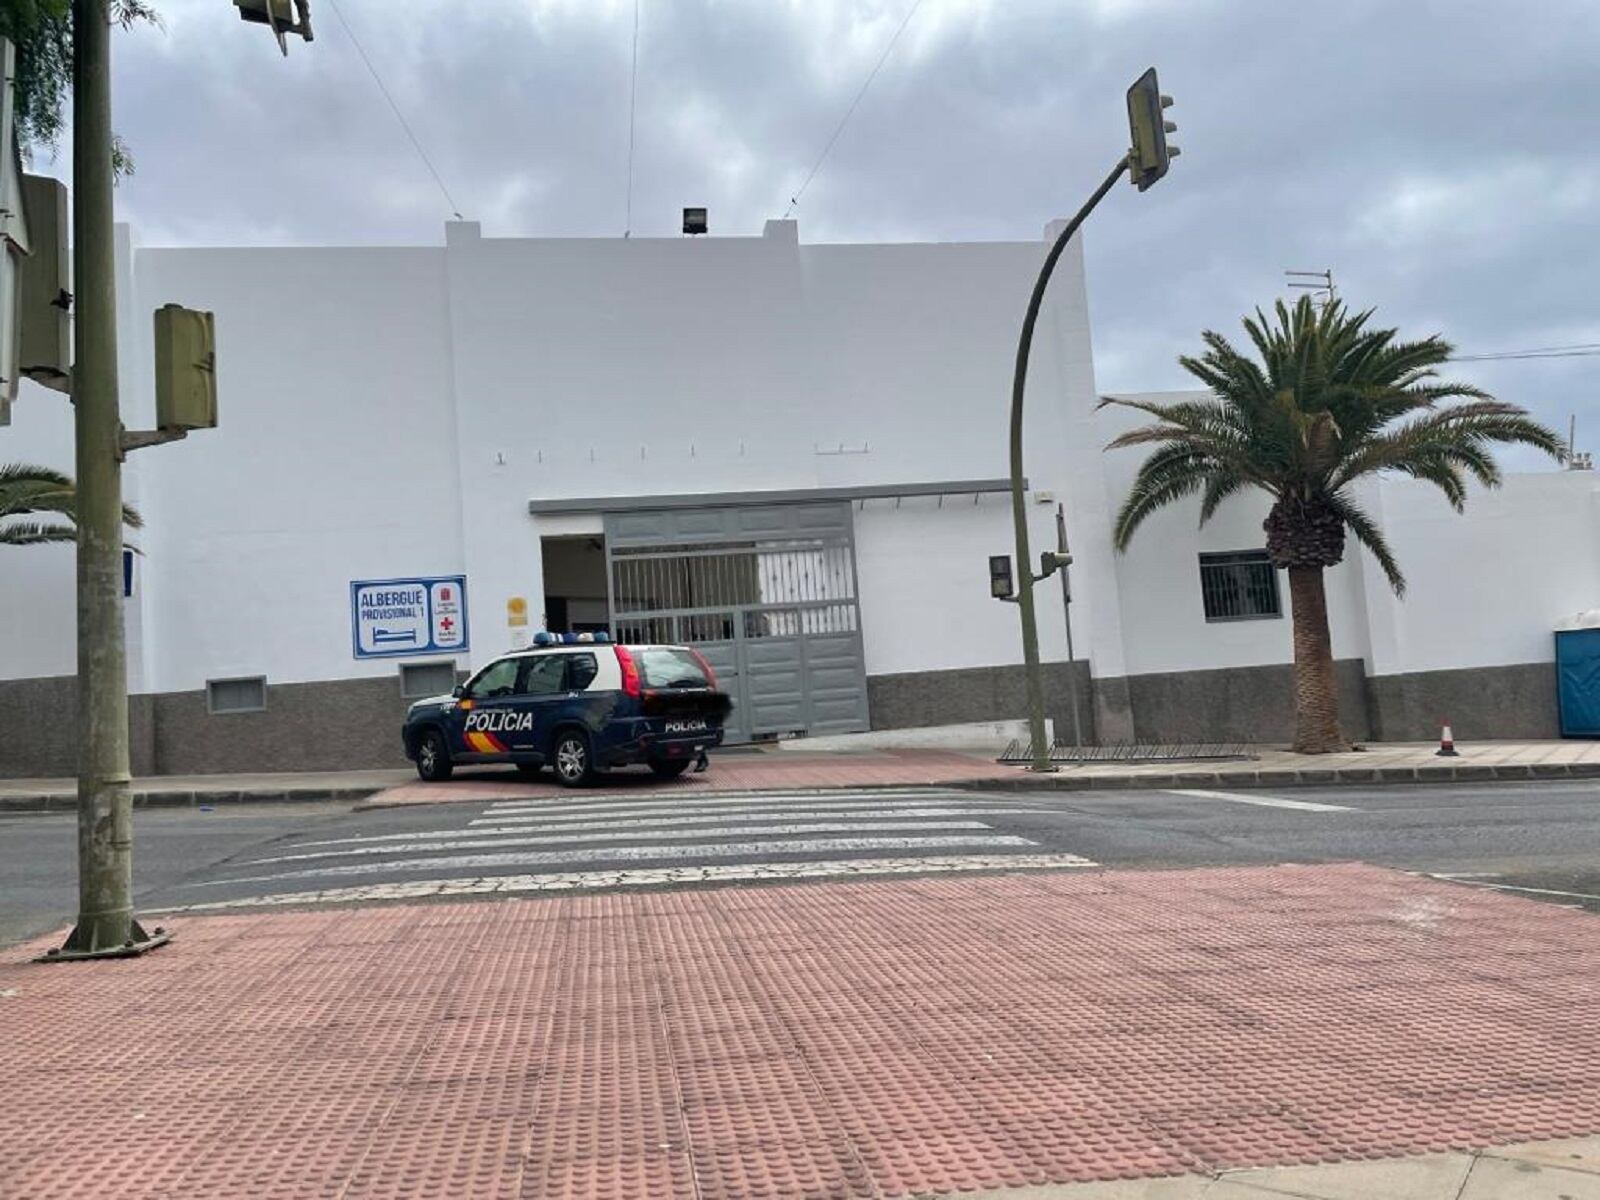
x=766, y=592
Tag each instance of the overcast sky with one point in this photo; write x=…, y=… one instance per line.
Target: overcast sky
x=1439, y=157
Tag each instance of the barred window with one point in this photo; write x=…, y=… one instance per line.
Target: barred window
x=1239, y=586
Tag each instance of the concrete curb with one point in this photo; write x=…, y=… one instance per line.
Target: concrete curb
x=1243, y=777
x=1066, y=780
x=193, y=798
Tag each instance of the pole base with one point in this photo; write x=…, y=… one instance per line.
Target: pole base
x=140, y=943
x=1446, y=752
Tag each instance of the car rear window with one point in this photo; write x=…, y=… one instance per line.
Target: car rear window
x=662, y=667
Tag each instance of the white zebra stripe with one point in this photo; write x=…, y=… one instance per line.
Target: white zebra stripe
x=559, y=858
x=652, y=877
x=491, y=828
x=629, y=835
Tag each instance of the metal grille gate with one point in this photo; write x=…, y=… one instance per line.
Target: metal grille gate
x=766, y=592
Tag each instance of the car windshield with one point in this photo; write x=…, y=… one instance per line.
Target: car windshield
x=664, y=667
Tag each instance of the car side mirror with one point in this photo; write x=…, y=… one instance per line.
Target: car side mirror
x=459, y=690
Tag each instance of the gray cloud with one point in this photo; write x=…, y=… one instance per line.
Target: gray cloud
x=1435, y=155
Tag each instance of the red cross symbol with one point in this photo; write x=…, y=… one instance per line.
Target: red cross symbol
x=447, y=624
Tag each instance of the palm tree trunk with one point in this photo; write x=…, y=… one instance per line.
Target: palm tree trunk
x=1316, y=691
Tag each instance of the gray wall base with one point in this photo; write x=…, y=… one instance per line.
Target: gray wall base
x=354, y=724
x=1236, y=704
x=39, y=729
x=1516, y=702
x=349, y=724
x=918, y=699
x=340, y=725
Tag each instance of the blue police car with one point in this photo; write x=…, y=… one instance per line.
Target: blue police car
x=577, y=703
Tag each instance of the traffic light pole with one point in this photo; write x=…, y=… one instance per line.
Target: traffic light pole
x=105, y=926
x=1019, y=511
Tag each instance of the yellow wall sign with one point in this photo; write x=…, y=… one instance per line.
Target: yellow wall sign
x=517, y=611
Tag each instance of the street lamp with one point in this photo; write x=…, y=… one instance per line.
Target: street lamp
x=1146, y=161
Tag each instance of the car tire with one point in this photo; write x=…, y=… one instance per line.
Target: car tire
x=669, y=768
x=572, y=758
x=433, y=757
x=529, y=770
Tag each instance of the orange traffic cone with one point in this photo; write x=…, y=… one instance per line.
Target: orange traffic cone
x=1447, y=743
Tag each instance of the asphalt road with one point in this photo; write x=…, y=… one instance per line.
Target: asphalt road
x=1541, y=839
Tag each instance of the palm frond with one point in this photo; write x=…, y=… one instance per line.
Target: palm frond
x=1360, y=523
x=1167, y=475
x=34, y=533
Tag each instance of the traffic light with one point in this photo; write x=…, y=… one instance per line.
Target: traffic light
x=1150, y=155
x=1000, y=585
x=186, y=369
x=280, y=16
x=46, y=333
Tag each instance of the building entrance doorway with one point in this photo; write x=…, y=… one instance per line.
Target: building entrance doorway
x=575, y=584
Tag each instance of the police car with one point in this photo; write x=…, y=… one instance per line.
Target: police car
x=578, y=703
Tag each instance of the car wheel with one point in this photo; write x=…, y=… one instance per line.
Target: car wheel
x=574, y=765
x=529, y=770
x=433, y=757
x=669, y=768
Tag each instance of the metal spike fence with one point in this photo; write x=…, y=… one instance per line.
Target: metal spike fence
x=1130, y=752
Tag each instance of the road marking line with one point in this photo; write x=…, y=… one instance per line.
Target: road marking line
x=415, y=889
x=627, y=835
x=810, y=804
x=490, y=828
x=555, y=858
x=574, y=802
x=1263, y=801
x=1511, y=887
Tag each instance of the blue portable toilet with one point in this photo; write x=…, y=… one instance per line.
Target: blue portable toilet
x=1578, y=674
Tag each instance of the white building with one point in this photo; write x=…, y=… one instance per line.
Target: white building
x=792, y=454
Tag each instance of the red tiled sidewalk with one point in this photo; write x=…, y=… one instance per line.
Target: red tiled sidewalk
x=863, y=1039
x=756, y=772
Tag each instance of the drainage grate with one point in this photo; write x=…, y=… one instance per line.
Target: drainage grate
x=1130, y=752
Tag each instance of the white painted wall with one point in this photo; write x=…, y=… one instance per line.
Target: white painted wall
x=1488, y=588
x=1485, y=587
x=38, y=618
x=923, y=573
x=391, y=412
x=607, y=367
x=334, y=458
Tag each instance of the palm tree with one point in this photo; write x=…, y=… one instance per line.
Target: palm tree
x=30, y=496
x=1330, y=401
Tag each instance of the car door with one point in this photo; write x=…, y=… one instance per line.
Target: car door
x=482, y=711
x=540, y=692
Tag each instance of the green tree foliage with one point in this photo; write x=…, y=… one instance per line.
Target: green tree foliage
x=38, y=505
x=42, y=33
x=1326, y=401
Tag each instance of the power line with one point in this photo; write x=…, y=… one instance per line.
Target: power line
x=1576, y=350
x=398, y=115
x=794, y=200
x=633, y=95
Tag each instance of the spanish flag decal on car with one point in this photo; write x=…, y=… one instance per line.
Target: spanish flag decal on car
x=485, y=743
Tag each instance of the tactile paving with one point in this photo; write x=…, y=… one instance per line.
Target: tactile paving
x=862, y=1039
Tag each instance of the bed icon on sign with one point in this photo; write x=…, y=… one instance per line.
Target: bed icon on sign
x=390, y=636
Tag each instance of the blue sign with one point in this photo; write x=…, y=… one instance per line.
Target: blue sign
x=391, y=617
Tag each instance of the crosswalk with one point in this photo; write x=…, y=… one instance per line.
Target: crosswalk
x=572, y=843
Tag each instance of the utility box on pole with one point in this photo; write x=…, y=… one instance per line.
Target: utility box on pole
x=13, y=235
x=186, y=369
x=46, y=337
